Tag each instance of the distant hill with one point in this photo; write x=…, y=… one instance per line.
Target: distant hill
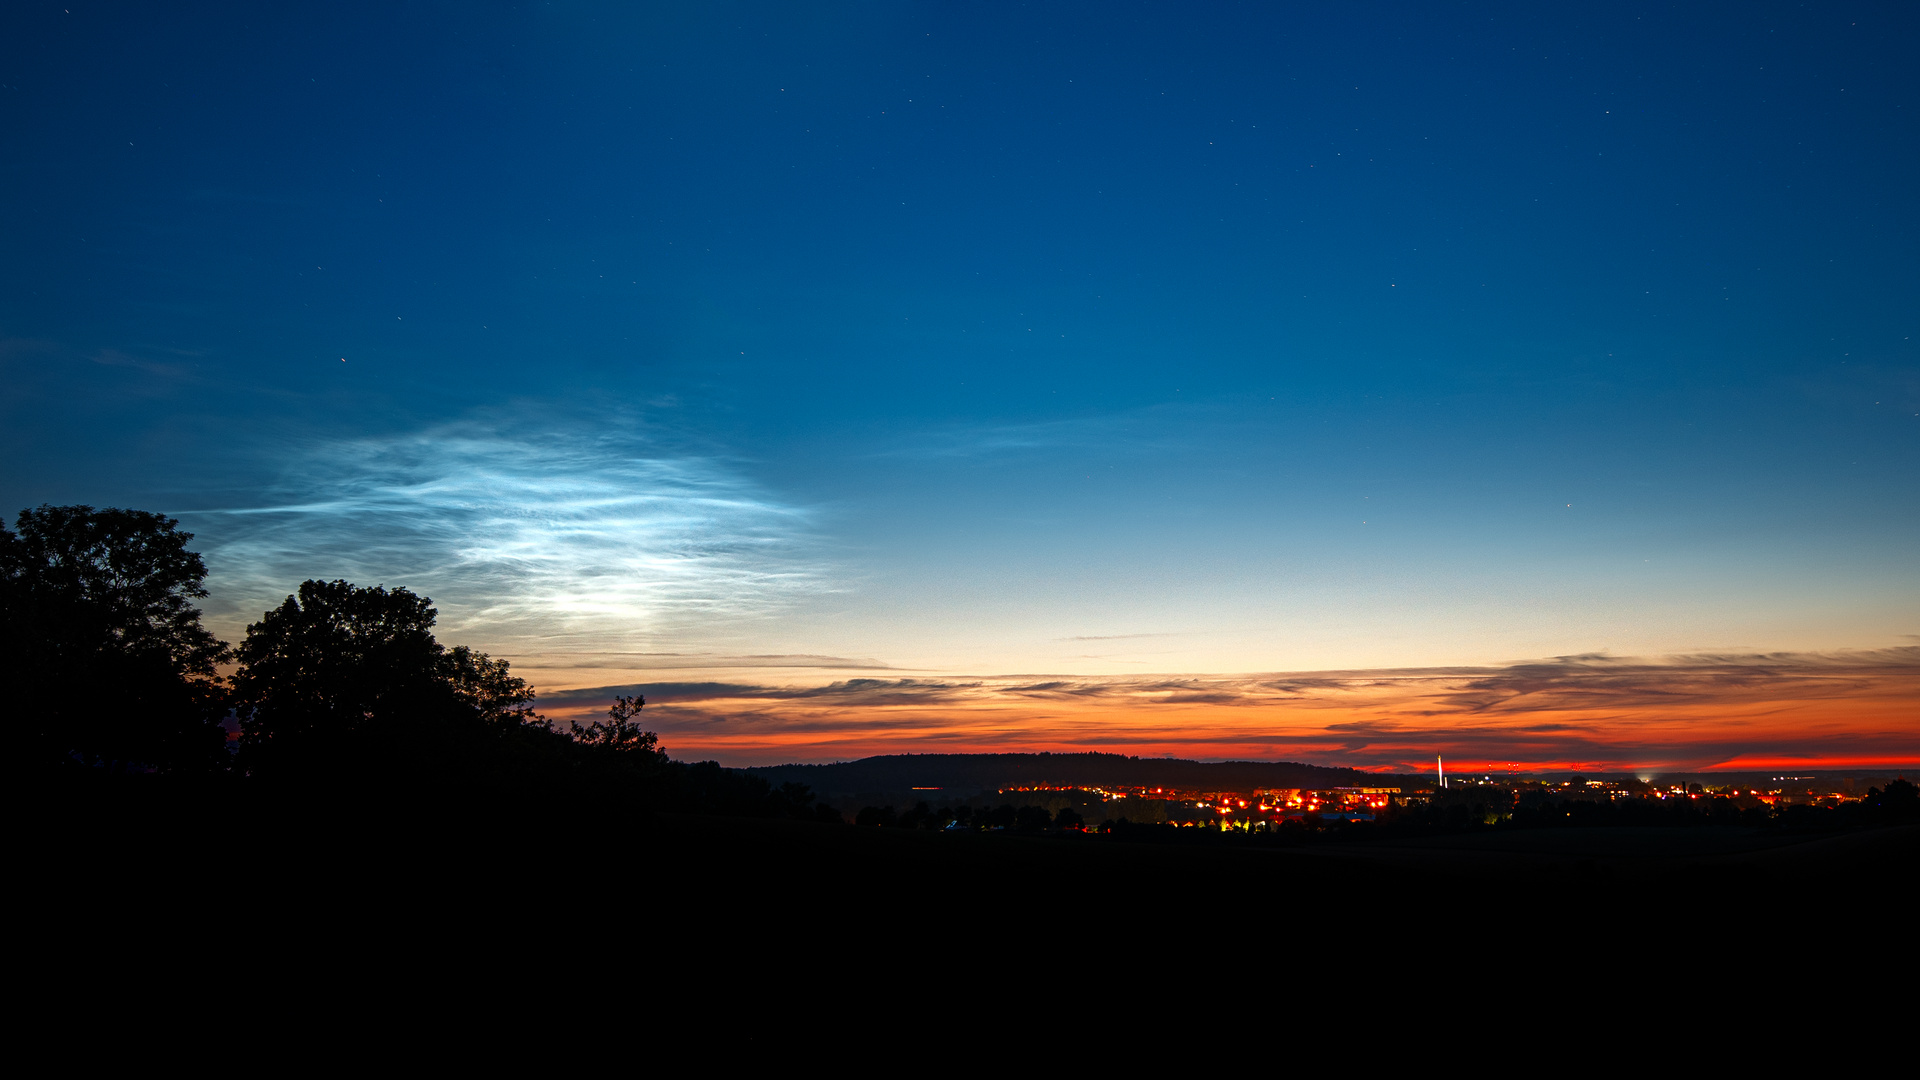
x=963, y=774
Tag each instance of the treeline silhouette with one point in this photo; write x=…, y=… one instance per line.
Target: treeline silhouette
x=391, y=809
x=341, y=685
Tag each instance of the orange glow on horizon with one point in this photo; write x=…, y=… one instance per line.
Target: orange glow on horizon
x=1817, y=712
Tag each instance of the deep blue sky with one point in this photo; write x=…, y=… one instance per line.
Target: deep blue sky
x=1094, y=337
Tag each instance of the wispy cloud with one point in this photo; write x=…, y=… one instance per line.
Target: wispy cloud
x=541, y=536
x=696, y=661
x=139, y=370
x=161, y=369
x=1579, y=711
x=1147, y=431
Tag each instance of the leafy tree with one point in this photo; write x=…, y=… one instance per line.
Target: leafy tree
x=1068, y=818
x=621, y=736
x=344, y=677
x=103, y=647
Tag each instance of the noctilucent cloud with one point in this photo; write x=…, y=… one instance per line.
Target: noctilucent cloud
x=749, y=348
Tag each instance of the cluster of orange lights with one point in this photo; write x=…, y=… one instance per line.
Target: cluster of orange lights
x=1244, y=810
x=1266, y=802
x=1292, y=801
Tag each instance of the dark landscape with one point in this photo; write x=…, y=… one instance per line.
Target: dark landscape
x=351, y=757
x=606, y=523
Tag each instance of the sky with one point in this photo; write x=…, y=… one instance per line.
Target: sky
x=1348, y=383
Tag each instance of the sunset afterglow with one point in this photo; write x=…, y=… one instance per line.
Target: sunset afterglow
x=1337, y=384
x=1686, y=714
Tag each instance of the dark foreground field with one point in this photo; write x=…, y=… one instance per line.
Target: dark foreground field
x=312, y=877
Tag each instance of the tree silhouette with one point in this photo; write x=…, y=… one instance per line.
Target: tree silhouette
x=796, y=801
x=621, y=735
x=1898, y=804
x=344, y=677
x=103, y=648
